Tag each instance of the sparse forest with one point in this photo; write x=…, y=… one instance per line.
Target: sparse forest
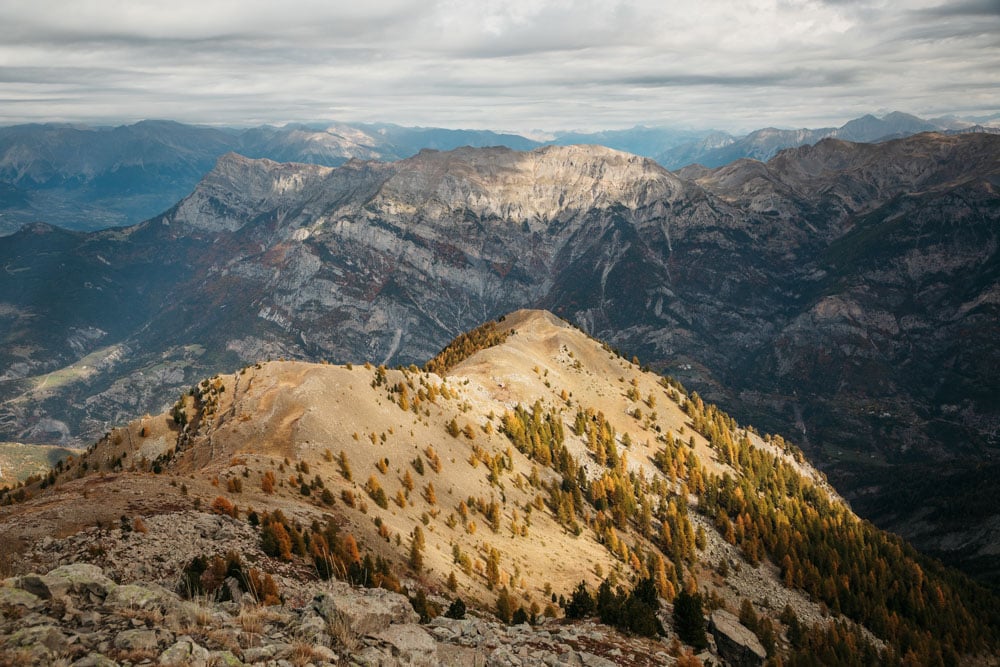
x=465, y=345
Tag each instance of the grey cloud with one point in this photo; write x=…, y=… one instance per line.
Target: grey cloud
x=964, y=8
x=43, y=75
x=950, y=29
x=508, y=64
x=795, y=77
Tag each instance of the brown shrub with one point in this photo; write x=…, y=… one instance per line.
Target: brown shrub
x=222, y=506
x=267, y=482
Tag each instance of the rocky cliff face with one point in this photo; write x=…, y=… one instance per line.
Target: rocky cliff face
x=843, y=294
x=89, y=178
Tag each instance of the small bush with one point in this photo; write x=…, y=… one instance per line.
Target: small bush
x=505, y=606
x=376, y=492
x=345, y=465
x=267, y=482
x=457, y=608
x=425, y=608
x=204, y=576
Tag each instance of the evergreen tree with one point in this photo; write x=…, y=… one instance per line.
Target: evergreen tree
x=416, y=549
x=639, y=612
x=608, y=603
x=581, y=604
x=424, y=607
x=689, y=620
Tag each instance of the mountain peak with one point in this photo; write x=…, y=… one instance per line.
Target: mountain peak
x=223, y=199
x=37, y=228
x=534, y=187
x=539, y=185
x=896, y=124
x=895, y=116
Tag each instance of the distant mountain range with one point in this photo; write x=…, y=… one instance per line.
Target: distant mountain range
x=90, y=178
x=718, y=149
x=844, y=294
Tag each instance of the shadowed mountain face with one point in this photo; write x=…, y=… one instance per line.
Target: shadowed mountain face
x=843, y=294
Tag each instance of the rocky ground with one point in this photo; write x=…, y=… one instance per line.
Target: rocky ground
x=77, y=615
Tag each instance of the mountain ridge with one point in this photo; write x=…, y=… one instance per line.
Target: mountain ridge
x=95, y=177
x=574, y=462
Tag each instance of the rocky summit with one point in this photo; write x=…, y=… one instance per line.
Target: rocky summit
x=842, y=294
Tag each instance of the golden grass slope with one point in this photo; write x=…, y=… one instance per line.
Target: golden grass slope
x=292, y=420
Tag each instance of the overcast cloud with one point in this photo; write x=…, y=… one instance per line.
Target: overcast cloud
x=513, y=65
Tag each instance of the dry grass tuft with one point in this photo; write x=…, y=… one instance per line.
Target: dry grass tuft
x=196, y=622
x=343, y=635
x=16, y=657
x=223, y=638
x=302, y=653
x=251, y=620
x=135, y=656
x=152, y=616
x=204, y=617
x=9, y=557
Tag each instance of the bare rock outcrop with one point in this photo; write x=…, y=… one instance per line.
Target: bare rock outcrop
x=737, y=644
x=368, y=611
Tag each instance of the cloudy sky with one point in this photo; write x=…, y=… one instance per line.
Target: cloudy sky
x=500, y=64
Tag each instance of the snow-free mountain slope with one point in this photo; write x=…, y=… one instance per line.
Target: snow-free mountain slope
x=840, y=293
x=532, y=459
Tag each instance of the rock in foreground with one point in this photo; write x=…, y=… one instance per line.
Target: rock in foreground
x=80, y=617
